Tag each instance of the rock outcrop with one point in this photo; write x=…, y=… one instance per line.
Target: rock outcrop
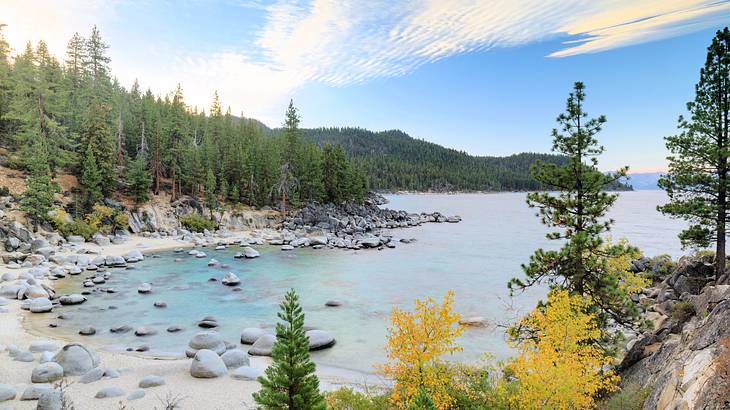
x=684, y=359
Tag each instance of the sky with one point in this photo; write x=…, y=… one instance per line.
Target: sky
x=487, y=77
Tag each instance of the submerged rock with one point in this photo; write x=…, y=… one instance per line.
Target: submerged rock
x=319, y=339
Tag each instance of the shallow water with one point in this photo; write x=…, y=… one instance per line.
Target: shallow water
x=475, y=258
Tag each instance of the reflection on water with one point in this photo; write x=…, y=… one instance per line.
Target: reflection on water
x=475, y=258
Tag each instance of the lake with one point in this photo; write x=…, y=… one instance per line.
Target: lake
x=475, y=258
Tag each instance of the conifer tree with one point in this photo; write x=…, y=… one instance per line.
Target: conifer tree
x=697, y=182
x=91, y=180
x=578, y=212
x=138, y=180
x=211, y=199
x=37, y=200
x=289, y=382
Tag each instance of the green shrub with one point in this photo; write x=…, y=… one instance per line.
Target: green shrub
x=77, y=227
x=682, y=311
x=346, y=398
x=4, y=191
x=660, y=267
x=197, y=223
x=631, y=397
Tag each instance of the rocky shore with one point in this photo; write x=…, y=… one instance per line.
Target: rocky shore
x=682, y=360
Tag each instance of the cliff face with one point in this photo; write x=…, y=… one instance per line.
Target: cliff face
x=164, y=217
x=684, y=360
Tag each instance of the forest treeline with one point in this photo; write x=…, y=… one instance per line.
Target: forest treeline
x=393, y=160
x=72, y=116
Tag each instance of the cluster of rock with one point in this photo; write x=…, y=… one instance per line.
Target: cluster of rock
x=33, y=288
x=678, y=358
x=349, y=225
x=72, y=360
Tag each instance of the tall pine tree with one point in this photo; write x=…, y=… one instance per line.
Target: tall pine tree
x=37, y=199
x=697, y=181
x=289, y=382
x=578, y=212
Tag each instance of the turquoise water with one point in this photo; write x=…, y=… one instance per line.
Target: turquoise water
x=475, y=258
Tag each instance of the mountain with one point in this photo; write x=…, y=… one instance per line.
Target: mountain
x=644, y=180
x=393, y=160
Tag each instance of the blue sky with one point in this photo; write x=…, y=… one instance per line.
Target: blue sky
x=487, y=77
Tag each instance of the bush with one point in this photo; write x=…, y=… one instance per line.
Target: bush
x=682, y=311
x=197, y=223
x=660, y=267
x=631, y=397
x=346, y=398
x=4, y=191
x=77, y=227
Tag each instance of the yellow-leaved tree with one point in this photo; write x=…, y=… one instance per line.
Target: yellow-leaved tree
x=560, y=365
x=416, y=342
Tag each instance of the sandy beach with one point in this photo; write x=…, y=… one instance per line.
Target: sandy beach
x=218, y=393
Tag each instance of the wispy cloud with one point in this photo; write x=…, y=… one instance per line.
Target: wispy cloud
x=341, y=42
x=348, y=41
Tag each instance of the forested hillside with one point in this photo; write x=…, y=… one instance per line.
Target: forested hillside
x=72, y=117
x=393, y=160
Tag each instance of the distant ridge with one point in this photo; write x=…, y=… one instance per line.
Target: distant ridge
x=393, y=160
x=642, y=181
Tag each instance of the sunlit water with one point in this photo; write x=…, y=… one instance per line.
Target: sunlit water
x=475, y=258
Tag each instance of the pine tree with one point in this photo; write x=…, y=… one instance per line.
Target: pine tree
x=138, y=180
x=289, y=382
x=211, y=199
x=91, y=180
x=292, y=136
x=578, y=213
x=697, y=182
x=37, y=199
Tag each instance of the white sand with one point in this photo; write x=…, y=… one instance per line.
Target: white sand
x=220, y=393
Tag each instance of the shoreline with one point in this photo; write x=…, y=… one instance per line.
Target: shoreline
x=16, y=329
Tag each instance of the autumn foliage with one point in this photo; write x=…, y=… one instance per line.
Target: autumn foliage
x=417, y=340
x=559, y=365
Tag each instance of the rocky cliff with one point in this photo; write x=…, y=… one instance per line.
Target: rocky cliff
x=683, y=360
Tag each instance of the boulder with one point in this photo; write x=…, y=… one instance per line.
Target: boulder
x=250, y=252
x=235, y=358
x=250, y=335
x=474, y=321
x=206, y=341
x=92, y=375
x=133, y=256
x=246, y=373
x=34, y=391
x=108, y=392
x=230, y=279
x=333, y=303
x=115, y=261
x=40, y=305
x=87, y=331
x=263, y=345
x=144, y=288
x=76, y=359
x=144, y=331
x=25, y=357
x=75, y=239
x=7, y=392
x=43, y=346
x=73, y=299
x=319, y=339
x=50, y=399
x=46, y=373
x=160, y=304
x=207, y=364
x=136, y=395
x=45, y=357
x=151, y=381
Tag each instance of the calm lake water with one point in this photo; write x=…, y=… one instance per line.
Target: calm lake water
x=475, y=258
